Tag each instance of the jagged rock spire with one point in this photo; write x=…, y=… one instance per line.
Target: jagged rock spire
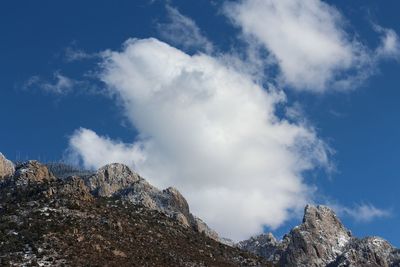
x=322, y=241
x=317, y=241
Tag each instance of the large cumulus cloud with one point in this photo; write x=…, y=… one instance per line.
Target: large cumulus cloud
x=210, y=130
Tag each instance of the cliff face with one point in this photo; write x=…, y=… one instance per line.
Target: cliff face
x=322, y=240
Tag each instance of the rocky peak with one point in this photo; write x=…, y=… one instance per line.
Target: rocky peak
x=7, y=168
x=117, y=180
x=320, y=217
x=321, y=241
x=317, y=241
x=32, y=172
x=264, y=245
x=110, y=179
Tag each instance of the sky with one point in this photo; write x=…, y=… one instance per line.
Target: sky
x=250, y=108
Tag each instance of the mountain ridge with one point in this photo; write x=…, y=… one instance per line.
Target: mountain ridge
x=116, y=212
x=48, y=221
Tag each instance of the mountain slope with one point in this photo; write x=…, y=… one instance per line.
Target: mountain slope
x=47, y=221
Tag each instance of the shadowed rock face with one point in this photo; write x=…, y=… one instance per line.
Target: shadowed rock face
x=322, y=240
x=7, y=168
x=72, y=188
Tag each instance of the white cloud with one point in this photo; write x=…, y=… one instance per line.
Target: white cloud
x=60, y=84
x=95, y=151
x=209, y=130
x=362, y=212
x=183, y=32
x=309, y=41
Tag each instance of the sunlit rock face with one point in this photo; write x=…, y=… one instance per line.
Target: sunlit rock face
x=110, y=179
x=32, y=172
x=317, y=241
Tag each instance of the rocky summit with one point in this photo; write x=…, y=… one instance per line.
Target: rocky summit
x=117, y=180
x=322, y=241
x=112, y=217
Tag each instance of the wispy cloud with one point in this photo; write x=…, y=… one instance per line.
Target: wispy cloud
x=362, y=212
x=60, y=84
x=73, y=54
x=183, y=32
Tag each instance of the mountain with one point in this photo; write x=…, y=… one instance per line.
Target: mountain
x=322, y=241
x=57, y=215
x=112, y=217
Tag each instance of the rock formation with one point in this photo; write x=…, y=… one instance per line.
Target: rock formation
x=317, y=241
x=369, y=251
x=111, y=179
x=322, y=240
x=32, y=172
x=117, y=180
x=264, y=245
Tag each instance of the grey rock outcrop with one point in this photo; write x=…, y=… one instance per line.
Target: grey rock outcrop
x=264, y=245
x=117, y=180
x=369, y=251
x=317, y=241
x=72, y=188
x=32, y=172
x=7, y=168
x=111, y=179
x=322, y=241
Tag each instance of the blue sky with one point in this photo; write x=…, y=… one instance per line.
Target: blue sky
x=48, y=43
